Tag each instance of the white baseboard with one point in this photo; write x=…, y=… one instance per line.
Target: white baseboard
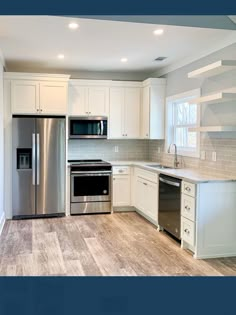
x=2, y=222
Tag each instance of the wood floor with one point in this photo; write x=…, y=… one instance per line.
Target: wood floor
x=117, y=244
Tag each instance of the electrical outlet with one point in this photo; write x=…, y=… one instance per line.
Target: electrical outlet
x=116, y=149
x=203, y=155
x=213, y=156
x=158, y=150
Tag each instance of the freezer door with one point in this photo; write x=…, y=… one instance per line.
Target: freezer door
x=23, y=166
x=51, y=165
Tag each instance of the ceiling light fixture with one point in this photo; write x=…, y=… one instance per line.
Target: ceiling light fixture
x=60, y=56
x=73, y=25
x=158, y=32
x=124, y=60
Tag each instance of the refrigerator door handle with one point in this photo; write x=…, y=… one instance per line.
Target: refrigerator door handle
x=38, y=160
x=33, y=159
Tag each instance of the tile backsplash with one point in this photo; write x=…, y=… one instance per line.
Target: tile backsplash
x=105, y=149
x=154, y=150
x=225, y=149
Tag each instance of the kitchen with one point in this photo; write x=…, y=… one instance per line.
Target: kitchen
x=149, y=148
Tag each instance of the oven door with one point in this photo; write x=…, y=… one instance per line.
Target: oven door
x=90, y=187
x=88, y=127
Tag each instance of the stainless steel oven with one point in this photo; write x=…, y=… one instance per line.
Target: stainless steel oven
x=90, y=187
x=88, y=127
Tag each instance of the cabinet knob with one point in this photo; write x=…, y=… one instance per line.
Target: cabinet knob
x=121, y=171
x=188, y=189
x=146, y=134
x=145, y=184
x=186, y=231
x=187, y=208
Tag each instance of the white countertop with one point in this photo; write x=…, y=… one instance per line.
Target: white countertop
x=192, y=175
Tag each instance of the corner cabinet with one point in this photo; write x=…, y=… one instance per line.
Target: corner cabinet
x=124, y=113
x=88, y=97
x=153, y=108
x=38, y=94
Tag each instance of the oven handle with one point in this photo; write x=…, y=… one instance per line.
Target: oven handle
x=81, y=174
x=169, y=182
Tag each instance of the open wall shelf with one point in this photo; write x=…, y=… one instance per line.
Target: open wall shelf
x=215, y=68
x=213, y=129
x=219, y=97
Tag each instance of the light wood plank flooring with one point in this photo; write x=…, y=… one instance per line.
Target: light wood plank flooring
x=117, y=244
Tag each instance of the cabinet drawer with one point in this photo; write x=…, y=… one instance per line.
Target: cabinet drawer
x=188, y=231
x=188, y=188
x=152, y=177
x=188, y=207
x=121, y=170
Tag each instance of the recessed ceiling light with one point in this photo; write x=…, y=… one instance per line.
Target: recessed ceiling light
x=158, y=31
x=73, y=25
x=124, y=60
x=60, y=56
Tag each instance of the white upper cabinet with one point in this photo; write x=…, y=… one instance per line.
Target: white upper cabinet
x=116, y=115
x=124, y=113
x=132, y=113
x=88, y=97
x=153, y=108
x=53, y=97
x=24, y=97
x=98, y=101
x=78, y=100
x=37, y=93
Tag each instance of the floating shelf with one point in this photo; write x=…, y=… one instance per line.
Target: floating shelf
x=213, y=69
x=215, y=98
x=213, y=129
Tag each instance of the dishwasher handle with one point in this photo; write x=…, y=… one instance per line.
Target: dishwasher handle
x=169, y=182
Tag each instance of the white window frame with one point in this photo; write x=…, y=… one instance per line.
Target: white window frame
x=169, y=122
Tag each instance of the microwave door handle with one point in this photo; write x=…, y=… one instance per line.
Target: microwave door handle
x=102, y=128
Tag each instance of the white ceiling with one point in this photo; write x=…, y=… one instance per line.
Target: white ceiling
x=33, y=42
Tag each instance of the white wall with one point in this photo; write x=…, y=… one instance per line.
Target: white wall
x=2, y=214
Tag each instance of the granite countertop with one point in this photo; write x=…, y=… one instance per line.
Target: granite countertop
x=192, y=175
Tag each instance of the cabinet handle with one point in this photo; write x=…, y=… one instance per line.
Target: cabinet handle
x=187, y=208
x=186, y=231
x=146, y=134
x=121, y=171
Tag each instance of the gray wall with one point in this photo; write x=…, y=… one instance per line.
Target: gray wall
x=218, y=114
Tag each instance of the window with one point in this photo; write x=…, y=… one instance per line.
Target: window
x=182, y=115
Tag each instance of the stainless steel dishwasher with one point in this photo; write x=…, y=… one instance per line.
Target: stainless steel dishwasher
x=169, y=204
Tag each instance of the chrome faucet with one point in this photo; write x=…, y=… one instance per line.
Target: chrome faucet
x=176, y=162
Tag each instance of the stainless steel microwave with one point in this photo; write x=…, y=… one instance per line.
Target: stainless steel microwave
x=88, y=127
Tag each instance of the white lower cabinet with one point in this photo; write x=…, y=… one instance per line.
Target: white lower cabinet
x=146, y=194
x=121, y=186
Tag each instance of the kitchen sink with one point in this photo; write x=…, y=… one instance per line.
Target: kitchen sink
x=159, y=166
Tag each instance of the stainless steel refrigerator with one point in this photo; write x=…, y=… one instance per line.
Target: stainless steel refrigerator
x=39, y=165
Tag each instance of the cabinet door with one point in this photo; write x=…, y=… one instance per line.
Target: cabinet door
x=121, y=190
x=151, y=200
x=116, y=115
x=98, y=101
x=78, y=100
x=145, y=118
x=132, y=113
x=140, y=194
x=53, y=97
x=24, y=97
